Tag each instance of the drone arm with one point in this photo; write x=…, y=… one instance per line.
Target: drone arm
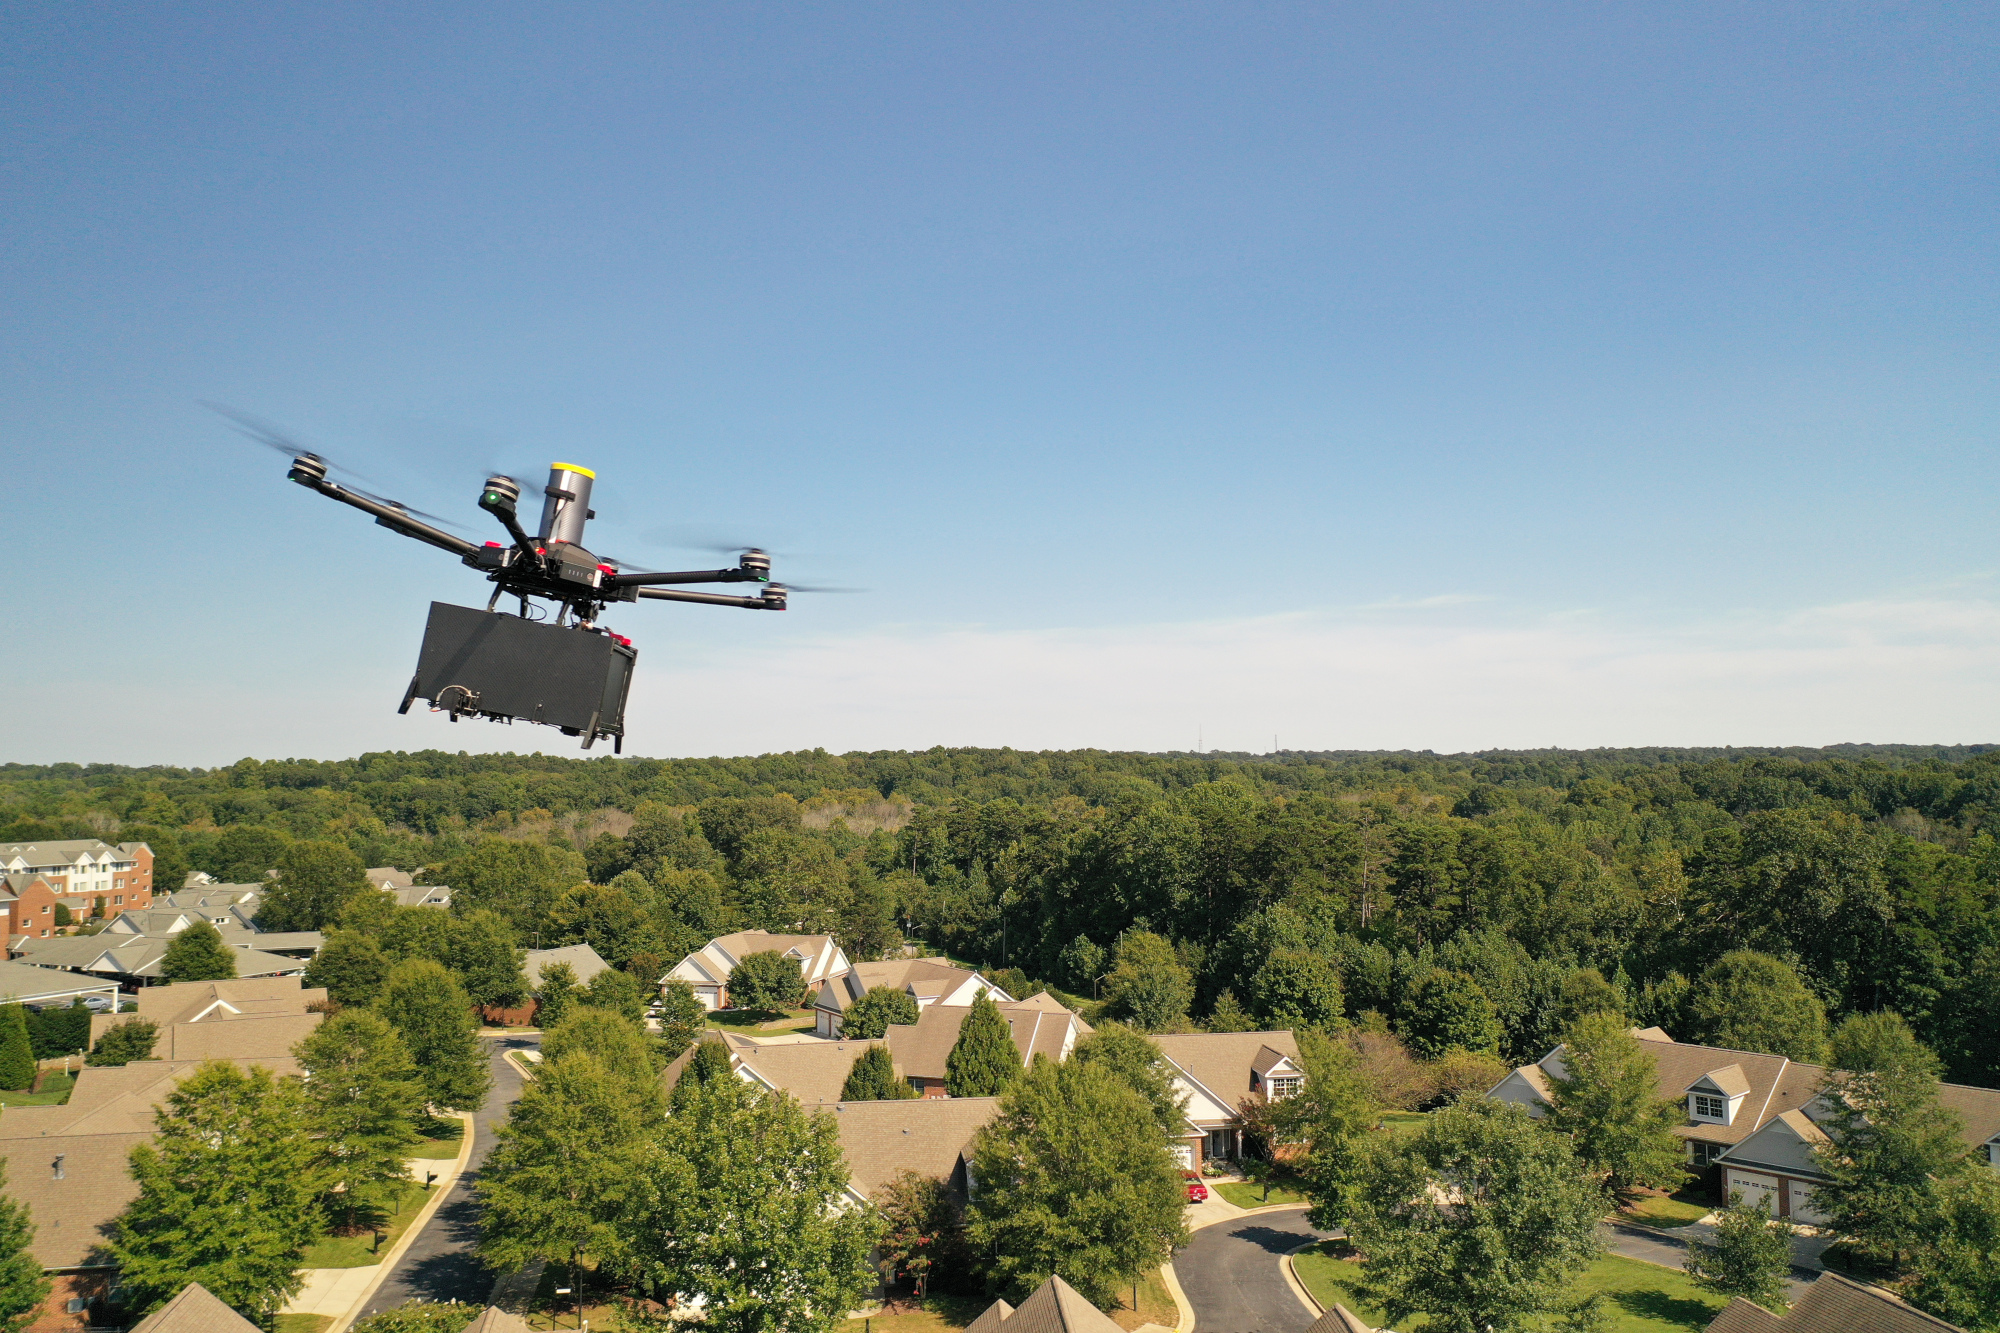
x=768, y=602
x=387, y=515
x=738, y=575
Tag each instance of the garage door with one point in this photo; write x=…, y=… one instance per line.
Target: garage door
x=1753, y=1187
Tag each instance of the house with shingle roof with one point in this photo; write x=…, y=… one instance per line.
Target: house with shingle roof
x=707, y=969
x=932, y=1137
x=1055, y=1307
x=1039, y=1025
x=1832, y=1304
x=1217, y=1072
x=1753, y=1119
x=194, y=1310
x=928, y=981
x=813, y=1072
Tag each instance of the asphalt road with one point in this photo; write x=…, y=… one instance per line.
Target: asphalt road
x=440, y=1265
x=1231, y=1274
x=1671, y=1252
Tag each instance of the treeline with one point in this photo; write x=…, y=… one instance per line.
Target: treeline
x=1472, y=901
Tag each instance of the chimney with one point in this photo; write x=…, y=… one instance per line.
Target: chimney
x=59, y=1164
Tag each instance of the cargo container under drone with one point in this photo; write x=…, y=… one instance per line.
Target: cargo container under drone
x=556, y=667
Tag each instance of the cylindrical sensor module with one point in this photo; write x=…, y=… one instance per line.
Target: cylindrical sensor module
x=568, y=503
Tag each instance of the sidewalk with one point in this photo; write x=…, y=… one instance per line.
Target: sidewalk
x=339, y=1292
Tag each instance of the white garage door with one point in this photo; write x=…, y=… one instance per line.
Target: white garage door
x=1754, y=1187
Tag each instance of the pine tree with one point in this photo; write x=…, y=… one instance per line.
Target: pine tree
x=869, y=1017
x=874, y=1079
x=17, y=1053
x=709, y=1062
x=125, y=1042
x=1751, y=1256
x=22, y=1286
x=984, y=1060
x=430, y=1012
x=350, y=966
x=226, y=1194
x=1610, y=1107
x=363, y=1097
x=198, y=954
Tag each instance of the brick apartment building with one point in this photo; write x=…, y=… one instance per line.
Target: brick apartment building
x=35, y=876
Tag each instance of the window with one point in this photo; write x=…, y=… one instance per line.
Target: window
x=1707, y=1106
x=1705, y=1154
x=1284, y=1085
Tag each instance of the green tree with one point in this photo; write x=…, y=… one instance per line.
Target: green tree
x=924, y=1232
x=418, y=1317
x=1074, y=1178
x=350, y=966
x=1749, y=1001
x=1229, y=1016
x=1135, y=1059
x=1890, y=1141
x=63, y=916
x=742, y=1208
x=1081, y=964
x=1148, y=985
x=556, y=994
x=1751, y=1256
x=226, y=1194
x=362, y=1097
x=1958, y=1267
x=865, y=926
x=1331, y=1115
x=605, y=917
x=682, y=1019
x=22, y=1286
x=617, y=992
x=709, y=1062
x=125, y=1042
x=874, y=1078
x=984, y=1060
x=519, y=880
x=1479, y=1221
x=768, y=981
x=17, y=1053
x=1445, y=1010
x=315, y=881
x=198, y=954
x=565, y=1177
x=429, y=1010
x=1297, y=989
x=487, y=960
x=1610, y=1106
x=619, y=1043
x=869, y=1017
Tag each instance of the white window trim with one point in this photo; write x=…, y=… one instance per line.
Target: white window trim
x=1695, y=1100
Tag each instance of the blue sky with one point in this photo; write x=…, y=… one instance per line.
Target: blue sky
x=1359, y=375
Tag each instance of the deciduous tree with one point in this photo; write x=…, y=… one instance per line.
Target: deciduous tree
x=869, y=1017
x=22, y=1286
x=362, y=1097
x=1610, y=1106
x=1331, y=1116
x=487, y=958
x=1442, y=1010
x=924, y=1233
x=556, y=994
x=1297, y=989
x=1135, y=1059
x=768, y=981
x=226, y=1194
x=1958, y=1264
x=682, y=1019
x=198, y=954
x=1751, y=1256
x=315, y=880
x=350, y=966
x=1481, y=1222
x=1148, y=986
x=128, y=1041
x=1749, y=1001
x=616, y=991
x=1074, y=1177
x=430, y=1012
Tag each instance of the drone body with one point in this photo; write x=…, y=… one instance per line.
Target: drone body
x=568, y=672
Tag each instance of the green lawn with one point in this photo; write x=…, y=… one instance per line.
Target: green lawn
x=941, y=1314
x=53, y=1092
x=304, y=1323
x=761, y=1020
x=359, y=1251
x=1246, y=1195
x=1404, y=1122
x=1670, y=1210
x=1640, y=1297
x=438, y=1147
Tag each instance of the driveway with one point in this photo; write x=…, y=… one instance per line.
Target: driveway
x=1670, y=1251
x=440, y=1265
x=1232, y=1276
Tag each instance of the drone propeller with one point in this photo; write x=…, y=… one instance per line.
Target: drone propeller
x=819, y=587
x=268, y=435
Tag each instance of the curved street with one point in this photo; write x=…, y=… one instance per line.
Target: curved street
x=440, y=1265
x=1232, y=1274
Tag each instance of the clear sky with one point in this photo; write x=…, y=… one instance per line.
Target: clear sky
x=1394, y=375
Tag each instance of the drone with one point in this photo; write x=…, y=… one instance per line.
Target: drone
x=555, y=667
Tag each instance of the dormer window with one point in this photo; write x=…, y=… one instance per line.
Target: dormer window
x=1710, y=1106
x=1282, y=1086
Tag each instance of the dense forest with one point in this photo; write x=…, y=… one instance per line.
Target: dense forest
x=1464, y=899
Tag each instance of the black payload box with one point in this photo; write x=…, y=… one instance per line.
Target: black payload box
x=488, y=664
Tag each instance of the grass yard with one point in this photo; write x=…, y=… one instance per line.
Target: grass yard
x=304, y=1323
x=1639, y=1297
x=940, y=1314
x=1285, y=1189
x=439, y=1147
x=750, y=1021
x=1404, y=1122
x=359, y=1251
x=54, y=1091
x=1670, y=1210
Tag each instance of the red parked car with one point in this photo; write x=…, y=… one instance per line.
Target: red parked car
x=1197, y=1192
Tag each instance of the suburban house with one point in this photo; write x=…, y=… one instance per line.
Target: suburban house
x=813, y=1072
x=1055, y=1307
x=1038, y=1024
x=1832, y=1304
x=224, y=906
x=76, y=873
x=408, y=894
x=881, y=1140
x=67, y=1164
x=707, y=969
x=583, y=962
x=133, y=961
x=1752, y=1119
x=194, y=1309
x=928, y=981
x=1218, y=1072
